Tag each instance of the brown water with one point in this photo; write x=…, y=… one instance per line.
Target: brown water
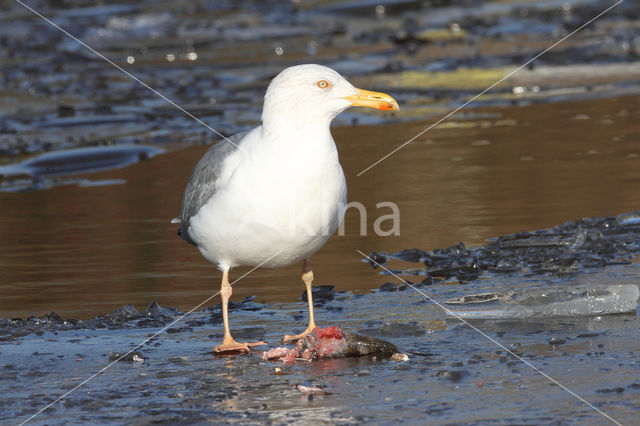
x=82, y=251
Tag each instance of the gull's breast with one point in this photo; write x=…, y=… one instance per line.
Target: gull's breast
x=274, y=206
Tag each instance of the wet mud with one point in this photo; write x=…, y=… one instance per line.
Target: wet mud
x=126, y=316
x=175, y=377
x=568, y=249
x=215, y=60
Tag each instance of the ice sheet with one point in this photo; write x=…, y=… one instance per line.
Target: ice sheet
x=566, y=301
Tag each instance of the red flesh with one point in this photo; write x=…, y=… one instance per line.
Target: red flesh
x=322, y=343
x=331, y=332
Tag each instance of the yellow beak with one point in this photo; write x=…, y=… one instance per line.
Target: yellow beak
x=380, y=101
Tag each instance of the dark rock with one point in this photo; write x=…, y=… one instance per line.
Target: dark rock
x=507, y=265
x=246, y=304
x=618, y=389
x=320, y=293
x=458, y=250
x=388, y=287
x=409, y=255
x=584, y=335
x=175, y=330
x=376, y=259
x=424, y=282
x=54, y=318
x=452, y=375
x=66, y=111
x=154, y=310
x=125, y=313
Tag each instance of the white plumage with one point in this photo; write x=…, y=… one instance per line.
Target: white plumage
x=274, y=195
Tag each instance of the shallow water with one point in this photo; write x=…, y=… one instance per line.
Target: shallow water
x=84, y=250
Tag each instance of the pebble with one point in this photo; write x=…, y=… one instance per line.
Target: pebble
x=400, y=357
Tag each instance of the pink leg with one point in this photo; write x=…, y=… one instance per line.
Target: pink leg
x=307, y=277
x=228, y=343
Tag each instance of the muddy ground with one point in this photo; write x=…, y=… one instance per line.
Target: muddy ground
x=175, y=377
x=215, y=60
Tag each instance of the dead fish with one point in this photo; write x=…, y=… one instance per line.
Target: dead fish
x=331, y=342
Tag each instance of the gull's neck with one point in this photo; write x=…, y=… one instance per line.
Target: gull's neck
x=293, y=140
x=296, y=126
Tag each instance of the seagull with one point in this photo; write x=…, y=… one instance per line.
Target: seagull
x=273, y=195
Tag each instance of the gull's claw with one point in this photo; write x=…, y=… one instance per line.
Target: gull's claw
x=233, y=346
x=292, y=339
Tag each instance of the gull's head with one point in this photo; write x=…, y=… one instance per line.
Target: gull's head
x=311, y=95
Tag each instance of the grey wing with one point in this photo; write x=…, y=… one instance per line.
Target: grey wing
x=203, y=182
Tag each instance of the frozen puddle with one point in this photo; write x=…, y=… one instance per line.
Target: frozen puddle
x=567, y=301
x=43, y=171
x=80, y=160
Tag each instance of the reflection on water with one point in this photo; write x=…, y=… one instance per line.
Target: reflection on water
x=82, y=251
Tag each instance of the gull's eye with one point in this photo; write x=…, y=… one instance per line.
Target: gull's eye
x=323, y=84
